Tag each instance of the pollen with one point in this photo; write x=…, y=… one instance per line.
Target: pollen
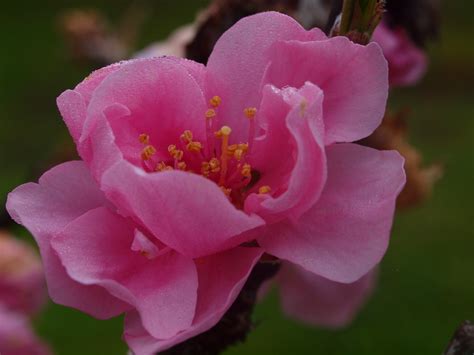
x=211, y=113
x=205, y=168
x=215, y=101
x=144, y=138
x=148, y=152
x=264, y=190
x=181, y=165
x=250, y=112
x=246, y=170
x=187, y=136
x=163, y=167
x=215, y=165
x=194, y=147
x=175, y=152
x=238, y=154
x=226, y=191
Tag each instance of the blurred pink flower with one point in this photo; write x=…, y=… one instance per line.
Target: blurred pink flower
x=17, y=337
x=407, y=63
x=22, y=284
x=187, y=168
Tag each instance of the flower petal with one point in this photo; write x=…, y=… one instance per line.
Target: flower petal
x=63, y=194
x=159, y=97
x=73, y=103
x=239, y=59
x=187, y=212
x=345, y=234
x=221, y=278
x=407, y=63
x=17, y=336
x=96, y=249
x=315, y=300
x=299, y=141
x=354, y=80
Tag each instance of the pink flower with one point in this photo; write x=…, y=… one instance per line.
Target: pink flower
x=187, y=168
x=315, y=300
x=17, y=337
x=407, y=63
x=22, y=285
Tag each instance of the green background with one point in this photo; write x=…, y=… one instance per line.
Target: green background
x=426, y=283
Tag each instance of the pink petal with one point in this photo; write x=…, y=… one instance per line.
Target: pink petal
x=239, y=59
x=300, y=141
x=315, y=300
x=221, y=278
x=63, y=194
x=73, y=103
x=17, y=336
x=407, y=63
x=187, y=212
x=354, y=80
x=96, y=250
x=162, y=97
x=347, y=232
x=22, y=282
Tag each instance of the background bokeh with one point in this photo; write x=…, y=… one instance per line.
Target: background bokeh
x=427, y=278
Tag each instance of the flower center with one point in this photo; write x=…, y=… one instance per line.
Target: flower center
x=216, y=159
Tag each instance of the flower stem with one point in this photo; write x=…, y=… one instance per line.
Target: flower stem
x=359, y=18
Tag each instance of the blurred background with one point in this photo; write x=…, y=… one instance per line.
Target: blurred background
x=426, y=283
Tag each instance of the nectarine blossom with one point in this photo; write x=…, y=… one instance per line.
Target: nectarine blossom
x=407, y=63
x=190, y=173
x=22, y=285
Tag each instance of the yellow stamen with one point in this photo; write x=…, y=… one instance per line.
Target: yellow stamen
x=205, y=168
x=226, y=191
x=175, y=153
x=182, y=165
x=244, y=147
x=250, y=112
x=264, y=190
x=215, y=101
x=148, y=152
x=246, y=170
x=187, y=136
x=194, y=147
x=144, y=138
x=224, y=133
x=238, y=154
x=215, y=165
x=211, y=113
x=163, y=167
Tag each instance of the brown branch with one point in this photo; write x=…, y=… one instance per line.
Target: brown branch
x=463, y=340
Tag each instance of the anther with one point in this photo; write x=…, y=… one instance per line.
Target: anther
x=144, y=138
x=194, y=147
x=148, y=152
x=246, y=170
x=187, y=136
x=250, y=112
x=211, y=113
x=264, y=190
x=226, y=191
x=175, y=153
x=163, y=167
x=215, y=165
x=215, y=101
x=205, y=168
x=181, y=165
x=238, y=154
